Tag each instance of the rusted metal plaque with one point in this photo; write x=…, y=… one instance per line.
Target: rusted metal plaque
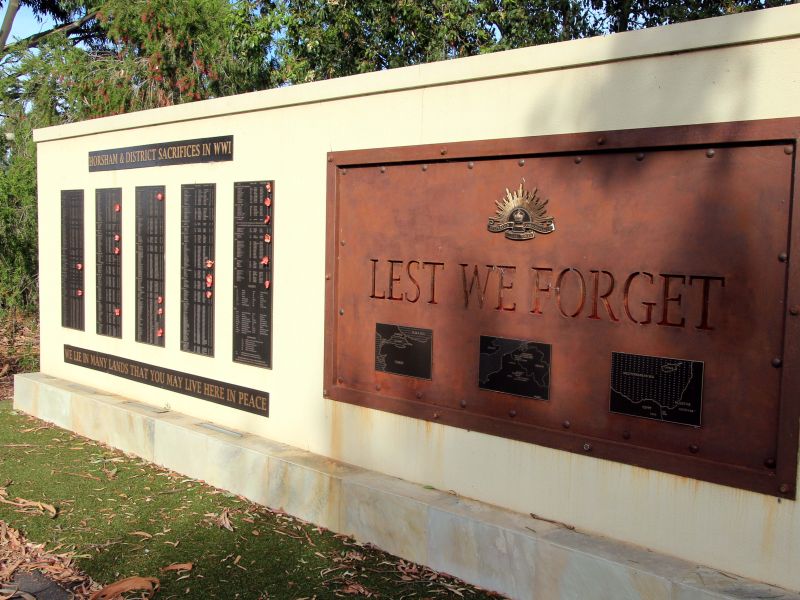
x=627, y=295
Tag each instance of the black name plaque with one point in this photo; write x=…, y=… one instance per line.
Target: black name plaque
x=215, y=149
x=252, y=272
x=219, y=392
x=72, y=306
x=197, y=268
x=108, y=258
x=150, y=265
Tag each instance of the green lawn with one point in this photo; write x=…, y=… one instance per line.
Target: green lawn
x=123, y=516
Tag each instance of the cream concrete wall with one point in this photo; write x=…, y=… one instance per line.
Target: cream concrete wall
x=734, y=68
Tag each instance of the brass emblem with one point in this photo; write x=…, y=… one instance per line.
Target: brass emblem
x=521, y=214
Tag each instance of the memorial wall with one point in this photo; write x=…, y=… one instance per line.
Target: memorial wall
x=561, y=280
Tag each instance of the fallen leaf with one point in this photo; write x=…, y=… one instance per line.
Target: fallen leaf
x=148, y=585
x=178, y=567
x=142, y=534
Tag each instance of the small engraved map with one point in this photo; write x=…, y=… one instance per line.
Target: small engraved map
x=652, y=387
x=403, y=350
x=516, y=367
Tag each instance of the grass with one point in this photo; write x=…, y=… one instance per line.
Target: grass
x=122, y=516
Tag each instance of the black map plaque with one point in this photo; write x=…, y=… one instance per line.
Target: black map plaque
x=517, y=367
x=72, y=310
x=403, y=350
x=653, y=387
x=150, y=265
x=108, y=261
x=252, y=272
x=197, y=268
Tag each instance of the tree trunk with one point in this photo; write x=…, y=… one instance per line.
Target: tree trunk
x=8, y=21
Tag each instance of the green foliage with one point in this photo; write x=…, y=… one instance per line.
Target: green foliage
x=139, y=54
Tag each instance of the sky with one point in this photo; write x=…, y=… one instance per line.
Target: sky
x=25, y=24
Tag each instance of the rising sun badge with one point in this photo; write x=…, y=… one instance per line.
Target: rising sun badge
x=521, y=214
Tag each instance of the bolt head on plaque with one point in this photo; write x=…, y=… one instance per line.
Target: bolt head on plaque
x=521, y=214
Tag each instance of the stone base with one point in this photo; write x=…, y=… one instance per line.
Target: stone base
x=487, y=546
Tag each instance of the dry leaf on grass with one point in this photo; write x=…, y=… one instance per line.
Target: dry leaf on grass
x=142, y=534
x=224, y=520
x=28, y=506
x=178, y=567
x=148, y=585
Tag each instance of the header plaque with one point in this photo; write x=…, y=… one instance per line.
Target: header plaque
x=627, y=299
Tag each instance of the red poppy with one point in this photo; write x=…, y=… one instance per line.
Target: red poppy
x=267, y=284
x=160, y=300
x=79, y=293
x=209, y=280
x=265, y=260
x=267, y=238
x=79, y=266
x=117, y=208
x=117, y=312
x=159, y=196
x=160, y=332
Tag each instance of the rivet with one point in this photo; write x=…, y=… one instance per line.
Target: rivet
x=463, y=404
x=419, y=395
x=512, y=413
x=383, y=169
x=344, y=171
x=783, y=257
x=769, y=463
x=470, y=165
x=776, y=362
x=640, y=156
x=443, y=151
x=578, y=160
x=626, y=435
x=327, y=275
x=521, y=162
x=794, y=311
x=377, y=386
x=435, y=415
x=341, y=311
x=587, y=447
x=788, y=149
x=342, y=243
x=784, y=489
x=710, y=153
x=424, y=167
x=566, y=424
x=339, y=380
x=694, y=448
x=330, y=159
x=324, y=392
x=601, y=140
